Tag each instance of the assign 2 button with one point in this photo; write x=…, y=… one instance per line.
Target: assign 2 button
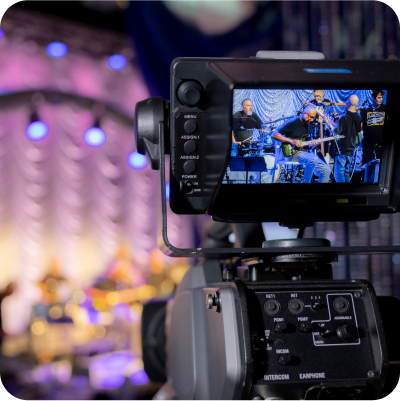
x=189, y=167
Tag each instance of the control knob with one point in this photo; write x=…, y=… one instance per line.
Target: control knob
x=284, y=359
x=346, y=332
x=190, y=93
x=280, y=327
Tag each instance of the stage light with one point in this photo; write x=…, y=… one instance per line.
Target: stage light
x=137, y=161
x=1, y=33
x=37, y=130
x=56, y=50
x=94, y=137
x=167, y=191
x=117, y=62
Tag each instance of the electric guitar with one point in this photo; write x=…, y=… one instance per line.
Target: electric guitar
x=289, y=150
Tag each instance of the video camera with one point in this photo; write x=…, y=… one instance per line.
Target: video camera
x=269, y=322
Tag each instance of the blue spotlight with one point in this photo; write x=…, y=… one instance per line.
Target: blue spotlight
x=37, y=130
x=1, y=33
x=56, y=50
x=117, y=62
x=94, y=137
x=167, y=191
x=137, y=161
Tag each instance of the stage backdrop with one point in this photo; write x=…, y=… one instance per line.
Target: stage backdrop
x=273, y=104
x=61, y=200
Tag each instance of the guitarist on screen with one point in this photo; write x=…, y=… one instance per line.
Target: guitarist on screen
x=291, y=132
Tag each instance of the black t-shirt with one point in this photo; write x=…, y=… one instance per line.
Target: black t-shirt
x=295, y=128
x=373, y=121
x=241, y=135
x=349, y=129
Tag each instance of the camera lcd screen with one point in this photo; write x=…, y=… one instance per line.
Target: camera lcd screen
x=306, y=136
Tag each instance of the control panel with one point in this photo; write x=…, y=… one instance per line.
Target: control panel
x=310, y=335
x=188, y=153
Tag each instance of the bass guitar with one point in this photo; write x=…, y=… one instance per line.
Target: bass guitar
x=289, y=150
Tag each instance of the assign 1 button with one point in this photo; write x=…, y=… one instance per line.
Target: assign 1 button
x=190, y=147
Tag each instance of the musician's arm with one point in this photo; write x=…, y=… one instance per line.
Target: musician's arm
x=234, y=140
x=280, y=138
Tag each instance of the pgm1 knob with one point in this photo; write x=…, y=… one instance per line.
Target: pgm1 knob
x=280, y=327
x=190, y=93
x=346, y=332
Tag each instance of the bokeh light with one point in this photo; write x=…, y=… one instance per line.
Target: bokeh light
x=139, y=377
x=55, y=312
x=80, y=381
x=167, y=191
x=113, y=381
x=39, y=326
x=79, y=297
x=137, y=161
x=37, y=130
x=94, y=137
x=396, y=259
x=331, y=236
x=116, y=361
x=117, y=62
x=57, y=50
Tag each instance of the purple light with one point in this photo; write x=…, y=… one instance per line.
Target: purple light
x=93, y=316
x=117, y=62
x=167, y=191
x=113, y=381
x=1, y=33
x=80, y=381
x=115, y=361
x=139, y=377
x=94, y=137
x=331, y=236
x=137, y=161
x=56, y=50
x=37, y=130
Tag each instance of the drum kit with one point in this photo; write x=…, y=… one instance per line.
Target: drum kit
x=246, y=157
x=263, y=146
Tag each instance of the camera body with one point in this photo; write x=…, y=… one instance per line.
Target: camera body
x=268, y=322
x=323, y=339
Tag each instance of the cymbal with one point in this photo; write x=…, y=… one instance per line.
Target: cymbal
x=245, y=122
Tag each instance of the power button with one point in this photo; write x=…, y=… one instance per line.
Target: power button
x=186, y=186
